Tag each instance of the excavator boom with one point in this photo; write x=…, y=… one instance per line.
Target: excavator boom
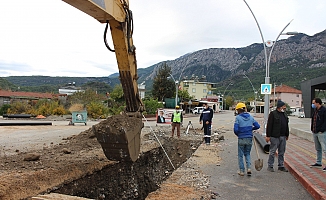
x=117, y=141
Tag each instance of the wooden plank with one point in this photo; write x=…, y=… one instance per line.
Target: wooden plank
x=56, y=196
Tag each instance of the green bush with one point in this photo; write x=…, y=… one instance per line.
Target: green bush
x=97, y=110
x=151, y=105
x=4, y=109
x=20, y=108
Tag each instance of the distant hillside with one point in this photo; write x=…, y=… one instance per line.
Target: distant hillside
x=6, y=85
x=293, y=60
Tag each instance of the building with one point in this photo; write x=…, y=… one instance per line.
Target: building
x=312, y=88
x=70, y=89
x=141, y=90
x=290, y=95
x=8, y=97
x=198, y=89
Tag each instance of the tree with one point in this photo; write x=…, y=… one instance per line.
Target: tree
x=117, y=94
x=162, y=86
x=184, y=95
x=228, y=102
x=100, y=87
x=151, y=105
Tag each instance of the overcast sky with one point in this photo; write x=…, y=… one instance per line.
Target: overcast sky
x=52, y=38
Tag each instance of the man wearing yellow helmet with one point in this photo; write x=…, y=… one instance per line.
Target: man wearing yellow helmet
x=176, y=120
x=244, y=124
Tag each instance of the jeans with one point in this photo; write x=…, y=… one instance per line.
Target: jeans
x=320, y=145
x=278, y=144
x=244, y=148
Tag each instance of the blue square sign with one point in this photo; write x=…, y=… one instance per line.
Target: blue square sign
x=266, y=89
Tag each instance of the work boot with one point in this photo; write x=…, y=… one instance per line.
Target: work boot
x=241, y=173
x=249, y=172
x=271, y=169
x=283, y=169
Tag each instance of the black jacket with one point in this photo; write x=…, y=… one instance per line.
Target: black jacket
x=273, y=128
x=320, y=120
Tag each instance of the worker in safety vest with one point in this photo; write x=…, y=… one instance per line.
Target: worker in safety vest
x=176, y=120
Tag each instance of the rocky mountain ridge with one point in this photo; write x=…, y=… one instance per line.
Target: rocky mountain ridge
x=295, y=59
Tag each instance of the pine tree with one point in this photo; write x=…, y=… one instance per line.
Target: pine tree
x=163, y=87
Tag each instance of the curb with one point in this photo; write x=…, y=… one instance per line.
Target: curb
x=315, y=192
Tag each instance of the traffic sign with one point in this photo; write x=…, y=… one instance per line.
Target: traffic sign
x=266, y=89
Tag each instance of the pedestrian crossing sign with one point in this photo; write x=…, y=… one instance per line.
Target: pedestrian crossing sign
x=266, y=88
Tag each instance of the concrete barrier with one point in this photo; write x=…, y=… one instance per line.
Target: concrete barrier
x=305, y=134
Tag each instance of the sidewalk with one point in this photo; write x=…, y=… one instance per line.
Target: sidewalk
x=300, y=154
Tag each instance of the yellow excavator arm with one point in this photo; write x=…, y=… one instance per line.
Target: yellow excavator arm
x=119, y=136
x=118, y=15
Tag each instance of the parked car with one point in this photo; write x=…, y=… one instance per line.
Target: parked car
x=197, y=110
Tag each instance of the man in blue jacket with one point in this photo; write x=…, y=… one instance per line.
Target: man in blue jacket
x=244, y=124
x=206, y=119
x=318, y=128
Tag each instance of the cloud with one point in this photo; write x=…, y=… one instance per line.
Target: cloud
x=53, y=38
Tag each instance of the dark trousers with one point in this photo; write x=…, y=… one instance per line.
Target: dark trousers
x=207, y=133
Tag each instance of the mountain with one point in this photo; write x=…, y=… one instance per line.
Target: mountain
x=293, y=60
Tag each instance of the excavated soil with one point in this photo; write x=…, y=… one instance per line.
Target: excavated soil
x=77, y=166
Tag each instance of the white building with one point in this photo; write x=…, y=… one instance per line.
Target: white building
x=70, y=89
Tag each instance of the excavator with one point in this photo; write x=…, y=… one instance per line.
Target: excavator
x=119, y=141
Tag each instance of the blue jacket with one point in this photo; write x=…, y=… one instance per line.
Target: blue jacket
x=244, y=124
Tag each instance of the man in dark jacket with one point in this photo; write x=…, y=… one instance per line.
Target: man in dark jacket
x=277, y=132
x=206, y=119
x=318, y=128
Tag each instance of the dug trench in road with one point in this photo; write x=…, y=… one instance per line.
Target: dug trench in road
x=78, y=158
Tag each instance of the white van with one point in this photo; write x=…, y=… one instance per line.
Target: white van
x=197, y=110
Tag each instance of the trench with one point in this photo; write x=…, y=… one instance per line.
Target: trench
x=132, y=180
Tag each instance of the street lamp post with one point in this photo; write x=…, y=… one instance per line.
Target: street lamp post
x=267, y=62
x=176, y=89
x=177, y=82
x=224, y=94
x=253, y=88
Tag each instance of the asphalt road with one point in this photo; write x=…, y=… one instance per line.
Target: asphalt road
x=225, y=181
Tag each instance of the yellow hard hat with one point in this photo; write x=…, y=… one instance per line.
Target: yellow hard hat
x=177, y=106
x=240, y=106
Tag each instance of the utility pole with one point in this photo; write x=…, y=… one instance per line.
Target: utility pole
x=274, y=93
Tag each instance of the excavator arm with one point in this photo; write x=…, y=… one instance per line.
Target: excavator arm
x=118, y=140
x=118, y=15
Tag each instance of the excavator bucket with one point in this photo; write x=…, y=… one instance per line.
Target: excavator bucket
x=119, y=137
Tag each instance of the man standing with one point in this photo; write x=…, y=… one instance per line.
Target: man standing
x=318, y=128
x=206, y=118
x=277, y=132
x=244, y=124
x=176, y=120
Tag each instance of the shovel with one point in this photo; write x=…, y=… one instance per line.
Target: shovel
x=258, y=163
